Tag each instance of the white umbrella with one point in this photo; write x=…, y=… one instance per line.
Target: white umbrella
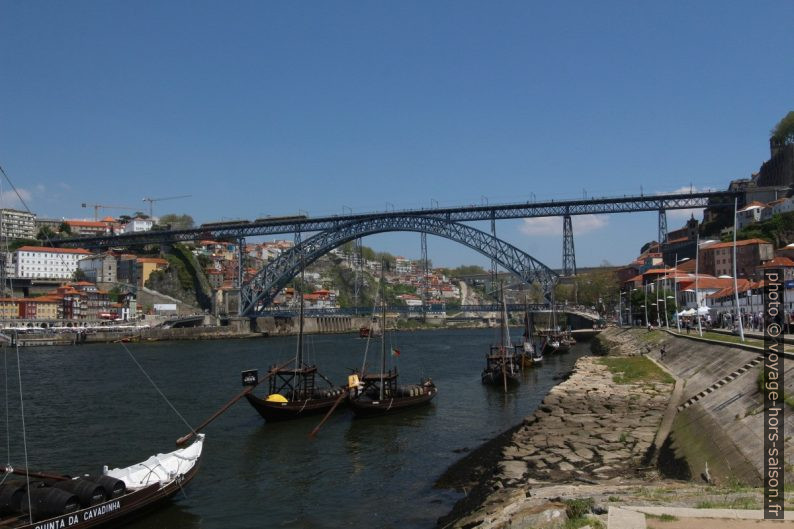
x=702, y=311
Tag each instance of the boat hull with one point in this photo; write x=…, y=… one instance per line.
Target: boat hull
x=496, y=378
x=365, y=407
x=112, y=512
x=285, y=411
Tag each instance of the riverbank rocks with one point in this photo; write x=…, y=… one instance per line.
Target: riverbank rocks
x=588, y=429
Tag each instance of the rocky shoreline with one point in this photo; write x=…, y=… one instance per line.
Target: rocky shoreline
x=594, y=428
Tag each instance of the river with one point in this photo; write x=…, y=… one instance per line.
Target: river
x=87, y=406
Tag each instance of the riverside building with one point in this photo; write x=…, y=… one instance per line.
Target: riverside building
x=48, y=263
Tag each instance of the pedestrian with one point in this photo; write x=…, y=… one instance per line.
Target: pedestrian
x=662, y=352
x=688, y=326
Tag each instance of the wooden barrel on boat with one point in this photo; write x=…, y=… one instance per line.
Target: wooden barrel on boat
x=113, y=487
x=48, y=502
x=88, y=492
x=11, y=497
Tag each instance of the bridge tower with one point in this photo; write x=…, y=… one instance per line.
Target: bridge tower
x=494, y=266
x=240, y=262
x=425, y=272
x=568, y=252
x=662, y=225
x=358, y=263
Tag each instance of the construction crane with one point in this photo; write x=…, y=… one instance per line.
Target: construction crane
x=97, y=207
x=151, y=202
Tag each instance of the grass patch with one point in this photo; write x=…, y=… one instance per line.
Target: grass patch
x=578, y=508
x=613, y=498
x=738, y=503
x=652, y=337
x=663, y=517
x=576, y=523
x=628, y=370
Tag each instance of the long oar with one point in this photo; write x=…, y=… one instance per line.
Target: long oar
x=39, y=475
x=184, y=439
x=327, y=415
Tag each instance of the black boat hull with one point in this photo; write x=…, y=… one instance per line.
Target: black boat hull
x=112, y=512
x=365, y=407
x=496, y=378
x=285, y=411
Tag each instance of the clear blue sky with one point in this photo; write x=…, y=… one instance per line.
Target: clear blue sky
x=259, y=108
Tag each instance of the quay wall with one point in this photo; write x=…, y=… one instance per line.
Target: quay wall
x=720, y=419
x=589, y=429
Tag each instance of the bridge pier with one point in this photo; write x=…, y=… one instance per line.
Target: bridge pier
x=568, y=252
x=662, y=225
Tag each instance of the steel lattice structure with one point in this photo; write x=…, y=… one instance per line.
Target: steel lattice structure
x=568, y=253
x=263, y=287
x=403, y=309
x=274, y=226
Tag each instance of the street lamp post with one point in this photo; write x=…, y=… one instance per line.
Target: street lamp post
x=645, y=300
x=735, y=281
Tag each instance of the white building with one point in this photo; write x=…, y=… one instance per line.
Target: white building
x=15, y=224
x=750, y=214
x=138, y=224
x=402, y=265
x=49, y=263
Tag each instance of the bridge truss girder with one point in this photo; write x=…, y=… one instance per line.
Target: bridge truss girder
x=266, y=284
x=275, y=226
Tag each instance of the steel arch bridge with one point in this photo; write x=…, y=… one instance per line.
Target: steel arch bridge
x=263, y=287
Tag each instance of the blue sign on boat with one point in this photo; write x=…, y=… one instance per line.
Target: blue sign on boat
x=790, y=283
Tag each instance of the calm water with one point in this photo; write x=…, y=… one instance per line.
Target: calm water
x=90, y=405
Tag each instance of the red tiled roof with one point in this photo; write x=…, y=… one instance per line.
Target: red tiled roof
x=745, y=242
x=153, y=260
x=753, y=204
x=53, y=250
x=778, y=261
x=87, y=223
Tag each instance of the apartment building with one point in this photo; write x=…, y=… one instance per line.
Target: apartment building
x=48, y=263
x=16, y=224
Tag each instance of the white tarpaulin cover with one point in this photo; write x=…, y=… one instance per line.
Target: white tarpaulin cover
x=162, y=468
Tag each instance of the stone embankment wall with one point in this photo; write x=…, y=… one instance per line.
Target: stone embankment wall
x=720, y=417
x=588, y=428
x=592, y=429
x=314, y=325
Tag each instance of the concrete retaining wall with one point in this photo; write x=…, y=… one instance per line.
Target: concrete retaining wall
x=722, y=424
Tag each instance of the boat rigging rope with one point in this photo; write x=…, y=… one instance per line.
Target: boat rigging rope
x=24, y=437
x=8, y=425
x=371, y=331
x=158, y=389
x=22, y=201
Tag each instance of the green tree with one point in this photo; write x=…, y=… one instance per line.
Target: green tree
x=65, y=228
x=177, y=222
x=784, y=130
x=45, y=234
x=79, y=275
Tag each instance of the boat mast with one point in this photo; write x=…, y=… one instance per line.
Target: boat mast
x=383, y=330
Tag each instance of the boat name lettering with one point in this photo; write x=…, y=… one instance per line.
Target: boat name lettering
x=73, y=519
x=102, y=510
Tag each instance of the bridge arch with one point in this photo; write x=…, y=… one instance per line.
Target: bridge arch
x=264, y=286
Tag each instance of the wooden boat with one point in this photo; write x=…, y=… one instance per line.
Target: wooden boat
x=530, y=352
x=292, y=389
x=54, y=501
x=374, y=394
x=502, y=366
